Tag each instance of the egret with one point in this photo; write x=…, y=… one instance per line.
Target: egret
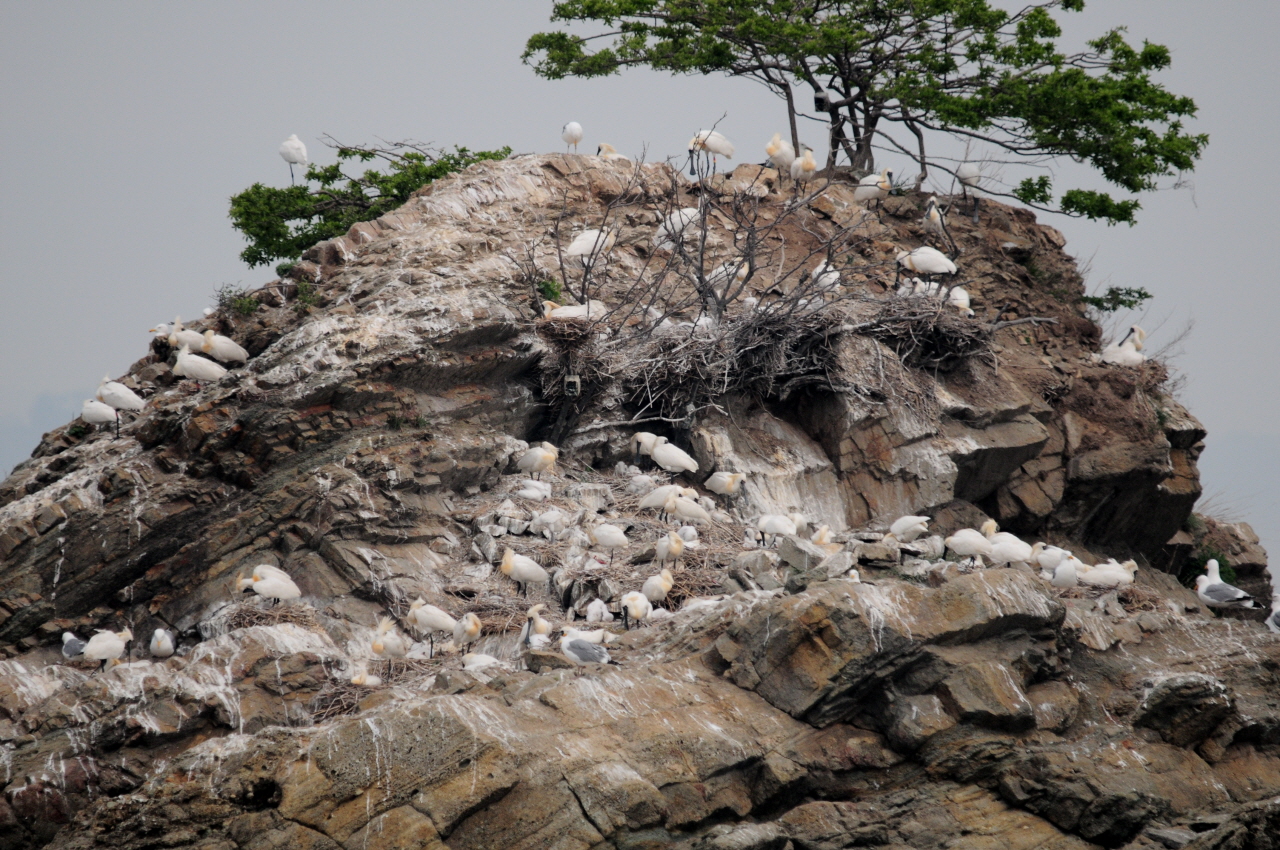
x=927, y=261
x=197, y=368
x=635, y=607
x=781, y=154
x=223, y=348
x=538, y=459
x=609, y=153
x=466, y=630
x=294, y=152
x=270, y=583
x=725, y=483
x=1215, y=594
x=522, y=570
x=609, y=537
x=908, y=528
x=969, y=544
x=572, y=134
x=590, y=245
x=430, y=619
x=581, y=651
x=805, y=168
x=106, y=646
x=94, y=412
x=958, y=298
x=874, y=187
x=162, y=644
x=1127, y=352
x=598, y=612
x=72, y=646
x=773, y=525
x=711, y=142
x=672, y=458
x=668, y=548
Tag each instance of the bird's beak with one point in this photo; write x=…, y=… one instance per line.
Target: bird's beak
x=693, y=169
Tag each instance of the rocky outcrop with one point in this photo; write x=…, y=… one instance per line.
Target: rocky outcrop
x=368, y=449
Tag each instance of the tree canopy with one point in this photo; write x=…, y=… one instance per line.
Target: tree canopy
x=874, y=66
x=281, y=223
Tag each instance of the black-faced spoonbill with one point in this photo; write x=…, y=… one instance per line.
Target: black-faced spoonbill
x=571, y=133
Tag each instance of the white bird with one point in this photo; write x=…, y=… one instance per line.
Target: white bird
x=223, y=348
x=970, y=175
x=709, y=141
x=118, y=396
x=522, y=570
x=657, y=497
x=805, y=168
x=598, y=612
x=874, y=187
x=72, y=646
x=197, y=368
x=1126, y=352
x=589, y=245
x=478, y=661
x=969, y=544
x=94, y=412
x=538, y=459
x=671, y=458
x=466, y=630
x=958, y=298
x=600, y=636
x=1215, y=594
x=593, y=309
x=609, y=153
x=180, y=336
x=780, y=153
x=926, y=260
x=1273, y=622
x=571, y=133
x=641, y=484
x=1048, y=557
x=582, y=651
x=689, y=535
x=668, y=548
x=635, y=607
x=1064, y=573
x=1006, y=548
x=294, y=152
x=675, y=228
x=106, y=646
x=1109, y=574
x=935, y=221
x=429, y=619
x=773, y=525
x=908, y=528
x=725, y=483
x=536, y=491
x=801, y=521
x=609, y=537
x=685, y=510
x=642, y=444
x=366, y=680
x=825, y=275
x=162, y=643
x=656, y=588
x=534, y=624
x=821, y=537
x=270, y=583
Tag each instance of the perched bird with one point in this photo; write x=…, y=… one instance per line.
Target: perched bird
x=773, y=525
x=106, y=646
x=672, y=458
x=675, y=229
x=580, y=651
x=466, y=630
x=197, y=368
x=223, y=348
x=1221, y=595
x=522, y=570
x=387, y=642
x=270, y=583
x=117, y=396
x=708, y=141
x=908, y=528
x=642, y=443
x=686, y=510
x=781, y=154
x=970, y=175
x=571, y=133
x=635, y=607
x=366, y=680
x=969, y=544
x=927, y=261
x=1126, y=352
x=657, y=497
x=478, y=661
x=669, y=548
x=598, y=612
x=94, y=412
x=874, y=187
x=1064, y=574
x=1109, y=574
x=657, y=587
x=1005, y=548
x=958, y=298
x=162, y=645
x=609, y=153
x=593, y=309
x=534, y=624
x=72, y=646
x=1273, y=622
x=805, y=168
x=935, y=221
x=825, y=275
x=294, y=152
x=726, y=483
x=180, y=336
x=538, y=459
x=590, y=245
x=429, y=619
x=609, y=537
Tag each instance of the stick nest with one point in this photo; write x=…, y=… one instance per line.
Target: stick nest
x=247, y=614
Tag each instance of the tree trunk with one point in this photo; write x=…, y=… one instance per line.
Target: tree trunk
x=791, y=116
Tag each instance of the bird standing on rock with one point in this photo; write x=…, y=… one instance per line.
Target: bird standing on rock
x=94, y=412
x=522, y=570
x=538, y=459
x=609, y=537
x=672, y=458
x=969, y=544
x=223, y=348
x=466, y=630
x=107, y=647
x=571, y=133
x=430, y=619
x=708, y=141
x=781, y=154
x=657, y=587
x=197, y=368
x=635, y=608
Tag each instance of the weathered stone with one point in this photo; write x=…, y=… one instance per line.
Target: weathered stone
x=986, y=694
x=916, y=719
x=1185, y=709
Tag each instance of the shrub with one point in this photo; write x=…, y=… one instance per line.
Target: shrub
x=1117, y=298
x=236, y=299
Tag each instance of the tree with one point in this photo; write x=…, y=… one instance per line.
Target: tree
x=282, y=223
x=954, y=66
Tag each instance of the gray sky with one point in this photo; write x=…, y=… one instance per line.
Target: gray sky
x=128, y=125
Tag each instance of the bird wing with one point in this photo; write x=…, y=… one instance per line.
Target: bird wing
x=589, y=651
x=1225, y=593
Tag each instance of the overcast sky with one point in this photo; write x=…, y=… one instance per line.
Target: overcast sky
x=128, y=125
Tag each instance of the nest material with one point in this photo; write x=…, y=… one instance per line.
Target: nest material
x=247, y=614
x=567, y=335
x=1131, y=597
x=336, y=699
x=926, y=334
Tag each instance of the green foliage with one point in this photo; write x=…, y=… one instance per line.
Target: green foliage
x=550, y=290
x=284, y=268
x=395, y=421
x=1194, y=566
x=957, y=66
x=236, y=299
x=306, y=297
x=77, y=431
x=1118, y=298
x=281, y=223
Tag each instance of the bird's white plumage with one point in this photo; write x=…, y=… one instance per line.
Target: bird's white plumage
x=874, y=187
x=197, y=368
x=571, y=133
x=780, y=153
x=672, y=458
x=635, y=607
x=970, y=544
x=908, y=528
x=466, y=630
x=95, y=412
x=726, y=483
x=106, y=646
x=162, y=644
x=591, y=244
x=712, y=141
x=293, y=151
x=223, y=348
x=969, y=173
x=598, y=612
x=609, y=153
x=804, y=168
x=926, y=260
x=118, y=396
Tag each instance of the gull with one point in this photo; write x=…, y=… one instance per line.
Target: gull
x=571, y=133
x=1221, y=594
x=294, y=152
x=106, y=646
x=162, y=644
x=72, y=646
x=581, y=651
